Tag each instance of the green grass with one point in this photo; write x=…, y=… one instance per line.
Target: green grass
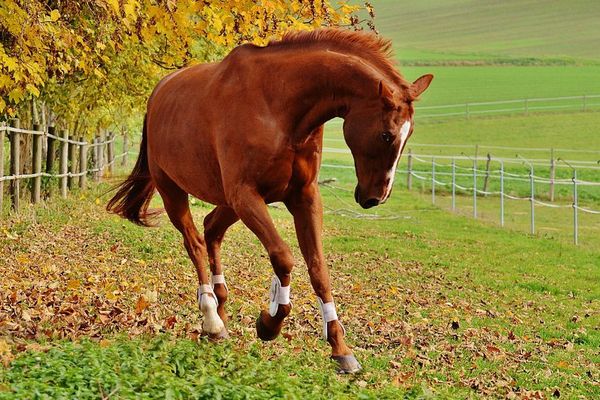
x=476, y=30
x=490, y=51
x=464, y=84
x=435, y=304
x=577, y=131
x=526, y=309
x=535, y=134
x=162, y=367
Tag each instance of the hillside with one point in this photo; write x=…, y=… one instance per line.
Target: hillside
x=487, y=29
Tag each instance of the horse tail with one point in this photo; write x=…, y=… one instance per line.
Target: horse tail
x=134, y=194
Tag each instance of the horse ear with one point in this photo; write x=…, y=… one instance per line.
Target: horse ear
x=387, y=96
x=420, y=85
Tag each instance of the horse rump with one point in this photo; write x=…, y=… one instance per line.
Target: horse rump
x=135, y=193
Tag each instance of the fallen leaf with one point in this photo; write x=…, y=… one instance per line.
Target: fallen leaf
x=141, y=304
x=401, y=378
x=73, y=284
x=170, y=322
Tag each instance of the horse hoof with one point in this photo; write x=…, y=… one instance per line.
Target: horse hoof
x=217, y=337
x=223, y=334
x=262, y=331
x=347, y=364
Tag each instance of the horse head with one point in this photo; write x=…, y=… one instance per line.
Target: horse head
x=376, y=130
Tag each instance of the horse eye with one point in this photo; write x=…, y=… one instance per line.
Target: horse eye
x=387, y=137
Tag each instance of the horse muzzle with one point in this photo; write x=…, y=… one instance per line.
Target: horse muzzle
x=369, y=202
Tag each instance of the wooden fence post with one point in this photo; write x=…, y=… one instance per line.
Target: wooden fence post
x=95, y=158
x=15, y=163
x=1, y=168
x=125, y=150
x=72, y=162
x=64, y=163
x=50, y=156
x=101, y=145
x=486, y=181
x=37, y=165
x=50, y=153
x=111, y=154
x=82, y=164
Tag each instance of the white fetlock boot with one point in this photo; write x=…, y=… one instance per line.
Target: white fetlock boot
x=212, y=324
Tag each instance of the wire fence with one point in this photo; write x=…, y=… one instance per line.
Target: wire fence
x=37, y=160
x=521, y=106
x=451, y=173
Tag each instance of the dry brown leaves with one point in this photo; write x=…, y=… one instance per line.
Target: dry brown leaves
x=73, y=282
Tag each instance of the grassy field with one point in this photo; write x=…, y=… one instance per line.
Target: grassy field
x=578, y=131
x=464, y=84
x=538, y=133
x=475, y=30
x=435, y=305
x=489, y=51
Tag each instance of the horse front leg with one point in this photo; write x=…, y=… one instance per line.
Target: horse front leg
x=252, y=210
x=306, y=207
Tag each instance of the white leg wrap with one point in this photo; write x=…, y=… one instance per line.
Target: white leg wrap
x=329, y=314
x=208, y=306
x=214, y=279
x=278, y=295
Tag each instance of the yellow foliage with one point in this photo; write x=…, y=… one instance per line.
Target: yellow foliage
x=95, y=63
x=54, y=15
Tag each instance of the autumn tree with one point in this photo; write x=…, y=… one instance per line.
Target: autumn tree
x=92, y=63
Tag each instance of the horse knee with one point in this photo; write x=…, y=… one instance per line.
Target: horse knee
x=282, y=261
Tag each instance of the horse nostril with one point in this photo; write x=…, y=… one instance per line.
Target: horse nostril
x=370, y=203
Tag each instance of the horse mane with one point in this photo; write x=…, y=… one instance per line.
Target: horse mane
x=374, y=49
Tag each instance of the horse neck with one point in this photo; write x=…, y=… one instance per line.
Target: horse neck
x=323, y=86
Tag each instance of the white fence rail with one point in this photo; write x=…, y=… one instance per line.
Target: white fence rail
x=73, y=166
x=445, y=174
x=524, y=106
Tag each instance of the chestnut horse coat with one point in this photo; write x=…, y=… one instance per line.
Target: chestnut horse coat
x=248, y=131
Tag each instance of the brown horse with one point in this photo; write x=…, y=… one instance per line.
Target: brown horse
x=248, y=131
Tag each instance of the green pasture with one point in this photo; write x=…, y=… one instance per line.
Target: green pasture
x=491, y=51
x=442, y=30
x=435, y=305
x=464, y=84
x=573, y=136
x=544, y=131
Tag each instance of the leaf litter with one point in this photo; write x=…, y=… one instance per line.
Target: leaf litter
x=85, y=279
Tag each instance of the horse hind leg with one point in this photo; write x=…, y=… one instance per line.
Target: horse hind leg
x=216, y=224
x=177, y=207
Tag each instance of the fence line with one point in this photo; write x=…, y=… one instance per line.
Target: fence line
x=433, y=176
x=73, y=166
x=477, y=147
x=581, y=103
x=591, y=165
